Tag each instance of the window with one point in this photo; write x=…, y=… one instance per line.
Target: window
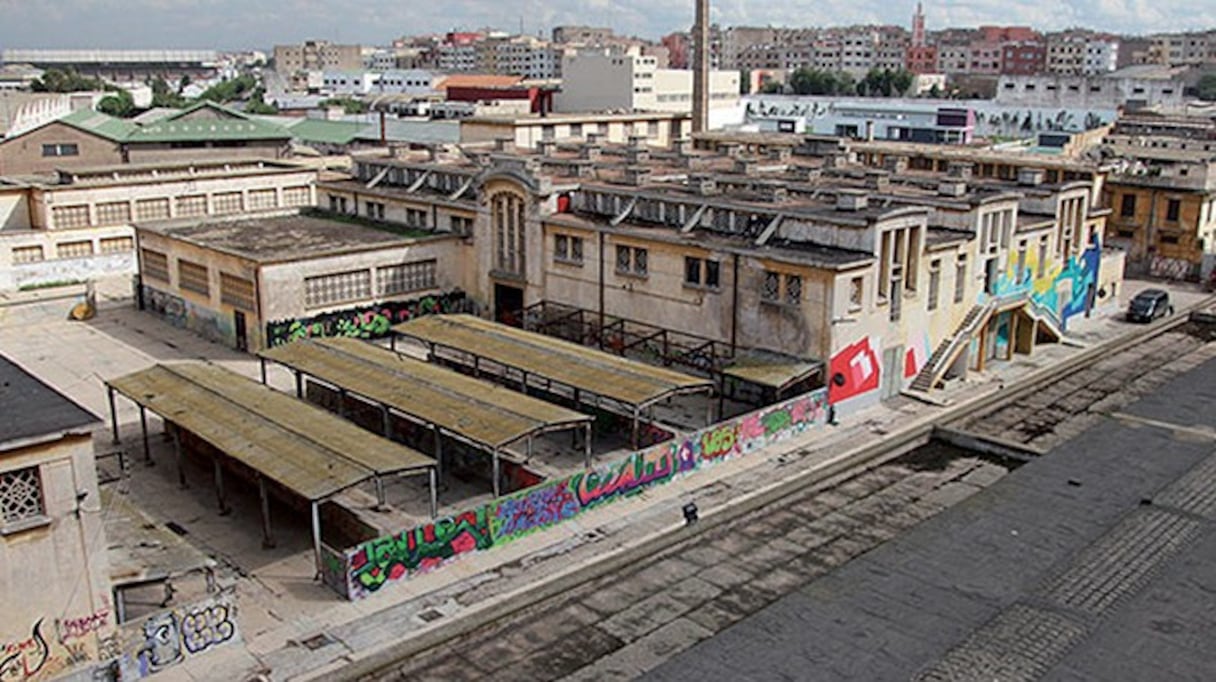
x=793, y=289
x=114, y=213
x=66, y=217
x=461, y=225
x=376, y=210
x=935, y=282
x=193, y=277
x=576, y=130
x=339, y=287
x=1042, y=269
x=297, y=196
x=21, y=496
x=568, y=249
x=1172, y=209
x=414, y=217
x=702, y=273
x=960, y=278
x=1020, y=271
x=856, y=292
x=781, y=288
x=27, y=254
x=77, y=249
x=407, y=277
x=261, y=199
x=154, y=264
x=151, y=209
x=68, y=149
x=237, y=292
x=632, y=261
x=117, y=244
x=337, y=204
x=191, y=206
x=772, y=287
x=1127, y=207
x=226, y=202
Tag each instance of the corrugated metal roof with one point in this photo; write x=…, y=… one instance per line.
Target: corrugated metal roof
x=594, y=371
x=302, y=447
x=482, y=412
x=771, y=370
x=103, y=125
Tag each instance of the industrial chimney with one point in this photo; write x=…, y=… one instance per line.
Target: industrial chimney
x=700, y=68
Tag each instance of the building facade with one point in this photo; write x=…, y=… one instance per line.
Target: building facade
x=606, y=81
x=317, y=55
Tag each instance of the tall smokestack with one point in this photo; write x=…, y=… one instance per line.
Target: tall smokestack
x=700, y=68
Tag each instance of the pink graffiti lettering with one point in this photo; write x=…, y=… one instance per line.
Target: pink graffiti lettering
x=72, y=628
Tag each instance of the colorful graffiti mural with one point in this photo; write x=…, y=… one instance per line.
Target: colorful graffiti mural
x=1064, y=289
x=376, y=563
x=366, y=322
x=853, y=371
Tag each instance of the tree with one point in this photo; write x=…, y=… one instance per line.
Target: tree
x=349, y=105
x=118, y=103
x=935, y=92
x=54, y=80
x=164, y=96
x=257, y=103
x=1205, y=89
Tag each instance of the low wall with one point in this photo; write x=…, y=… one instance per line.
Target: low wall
x=375, y=564
x=365, y=322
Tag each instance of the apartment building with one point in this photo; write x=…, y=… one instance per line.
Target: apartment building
x=1133, y=87
x=604, y=80
x=1081, y=53
x=317, y=55
x=77, y=224
x=1185, y=49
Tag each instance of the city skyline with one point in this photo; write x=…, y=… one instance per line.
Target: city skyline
x=258, y=24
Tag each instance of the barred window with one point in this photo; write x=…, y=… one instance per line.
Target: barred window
x=856, y=292
x=414, y=217
x=262, y=199
x=337, y=288
x=117, y=244
x=460, y=225
x=27, y=254
x=114, y=213
x=632, y=261
x=77, y=249
x=793, y=289
x=155, y=264
x=193, y=277
x=236, y=292
x=191, y=206
x=296, y=196
x=70, y=216
x=152, y=209
x=21, y=495
x=772, y=286
x=399, y=279
x=935, y=282
x=227, y=202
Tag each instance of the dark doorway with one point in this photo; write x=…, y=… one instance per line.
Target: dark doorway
x=990, y=276
x=508, y=304
x=238, y=324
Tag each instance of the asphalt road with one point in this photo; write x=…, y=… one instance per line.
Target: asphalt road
x=1096, y=562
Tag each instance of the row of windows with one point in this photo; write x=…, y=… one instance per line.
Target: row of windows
x=356, y=285
x=119, y=212
x=1173, y=208
x=237, y=292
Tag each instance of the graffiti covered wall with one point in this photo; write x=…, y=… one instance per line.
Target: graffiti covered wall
x=186, y=315
x=365, y=322
x=376, y=563
x=1063, y=289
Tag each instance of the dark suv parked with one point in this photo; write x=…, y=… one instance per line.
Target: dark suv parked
x=1148, y=305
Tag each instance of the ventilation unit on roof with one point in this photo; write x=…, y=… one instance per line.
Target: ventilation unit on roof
x=852, y=200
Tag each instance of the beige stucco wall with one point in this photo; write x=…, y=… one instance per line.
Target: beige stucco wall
x=22, y=155
x=55, y=577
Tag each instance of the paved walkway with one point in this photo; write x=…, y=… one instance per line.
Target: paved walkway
x=280, y=607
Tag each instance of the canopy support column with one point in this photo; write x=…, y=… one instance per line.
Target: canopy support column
x=709, y=409
x=177, y=452
x=529, y=447
x=380, y=500
x=392, y=342
x=587, y=446
x=496, y=476
x=143, y=427
x=633, y=436
x=267, y=539
x=316, y=536
x=113, y=415
x=523, y=382
x=262, y=362
x=299, y=384
x=342, y=402
x=386, y=421
x=220, y=495
x=434, y=493
x=477, y=366
x=438, y=451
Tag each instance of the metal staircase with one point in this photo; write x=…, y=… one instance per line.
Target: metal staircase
x=948, y=350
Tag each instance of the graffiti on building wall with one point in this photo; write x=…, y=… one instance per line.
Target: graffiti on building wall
x=1065, y=288
x=26, y=658
x=916, y=355
x=366, y=322
x=376, y=563
x=186, y=315
x=58, y=645
x=1173, y=268
x=853, y=371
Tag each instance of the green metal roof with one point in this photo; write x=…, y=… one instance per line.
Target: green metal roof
x=326, y=132
x=102, y=125
x=227, y=124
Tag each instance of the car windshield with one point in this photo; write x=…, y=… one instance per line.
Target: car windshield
x=1143, y=303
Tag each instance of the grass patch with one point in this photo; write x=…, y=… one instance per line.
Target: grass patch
x=395, y=228
x=51, y=285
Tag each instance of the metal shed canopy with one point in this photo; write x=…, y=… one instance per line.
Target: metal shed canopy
x=303, y=448
x=485, y=413
x=625, y=381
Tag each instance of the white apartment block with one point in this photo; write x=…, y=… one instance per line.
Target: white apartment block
x=604, y=80
x=349, y=82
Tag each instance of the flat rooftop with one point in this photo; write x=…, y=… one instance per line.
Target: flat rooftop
x=31, y=411
x=284, y=237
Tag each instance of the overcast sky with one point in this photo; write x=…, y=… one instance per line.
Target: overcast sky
x=232, y=24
